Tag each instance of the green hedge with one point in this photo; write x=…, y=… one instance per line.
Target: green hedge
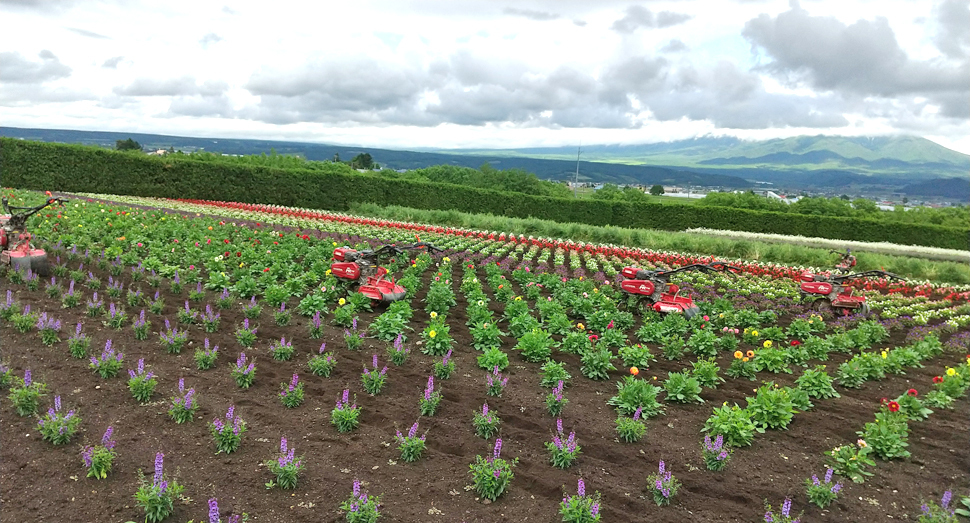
x=47, y=166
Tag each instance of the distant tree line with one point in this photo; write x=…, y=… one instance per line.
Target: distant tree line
x=486, y=177
x=858, y=208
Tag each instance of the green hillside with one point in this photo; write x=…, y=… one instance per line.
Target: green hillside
x=907, y=157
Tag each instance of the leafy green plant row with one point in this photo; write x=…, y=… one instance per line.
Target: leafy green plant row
x=42, y=166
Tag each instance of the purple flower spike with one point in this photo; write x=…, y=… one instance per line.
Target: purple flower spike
x=498, y=448
x=27, y=380
x=582, y=487
x=213, y=511
x=786, y=507
x=158, y=468
x=283, y=445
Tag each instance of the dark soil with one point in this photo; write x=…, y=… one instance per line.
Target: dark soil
x=43, y=483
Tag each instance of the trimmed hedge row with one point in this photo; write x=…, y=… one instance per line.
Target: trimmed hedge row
x=46, y=166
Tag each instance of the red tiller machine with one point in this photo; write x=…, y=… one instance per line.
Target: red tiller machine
x=662, y=296
x=17, y=250
x=364, y=268
x=833, y=293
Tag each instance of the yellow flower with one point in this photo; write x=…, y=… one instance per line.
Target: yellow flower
x=951, y=372
x=241, y=265
x=884, y=354
x=744, y=359
x=596, y=290
x=329, y=272
x=738, y=355
x=754, y=333
x=433, y=315
x=432, y=334
x=342, y=301
x=580, y=326
x=518, y=298
x=334, y=244
x=767, y=344
x=446, y=259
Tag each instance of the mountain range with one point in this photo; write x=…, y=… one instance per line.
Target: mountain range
x=906, y=164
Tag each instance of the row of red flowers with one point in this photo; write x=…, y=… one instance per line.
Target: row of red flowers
x=670, y=259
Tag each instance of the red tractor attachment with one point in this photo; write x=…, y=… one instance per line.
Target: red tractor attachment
x=15, y=242
x=351, y=265
x=834, y=292
x=662, y=296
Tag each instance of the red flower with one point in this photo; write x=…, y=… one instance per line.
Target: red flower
x=238, y=254
x=593, y=337
x=893, y=406
x=884, y=401
x=937, y=379
x=911, y=392
x=226, y=255
x=795, y=343
x=266, y=269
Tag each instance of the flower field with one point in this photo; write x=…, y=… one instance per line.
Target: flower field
x=193, y=360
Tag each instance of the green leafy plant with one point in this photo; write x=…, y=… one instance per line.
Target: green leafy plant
x=851, y=462
x=141, y=384
x=346, y=415
x=486, y=423
x=580, y=508
x=361, y=508
x=630, y=429
x=158, y=497
x=597, y=363
x=536, y=345
x=771, y=407
x=636, y=356
x=285, y=467
x=817, y=383
x=663, y=485
x=636, y=394
x=734, y=423
x=552, y=373
x=411, y=446
x=822, y=493
x=705, y=372
x=57, y=427
x=492, y=475
x=681, y=387
x=492, y=358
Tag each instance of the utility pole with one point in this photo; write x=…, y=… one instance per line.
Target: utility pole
x=576, y=183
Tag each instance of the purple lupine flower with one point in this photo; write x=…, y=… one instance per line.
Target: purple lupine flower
x=582, y=488
x=444, y=360
x=106, y=439
x=375, y=361
x=662, y=467
x=636, y=415
x=497, y=473
x=786, y=507
x=188, y=398
x=283, y=445
x=213, y=511
x=294, y=381
x=485, y=409
x=158, y=468
x=828, y=475
x=282, y=307
x=77, y=330
x=945, y=502
x=57, y=403
x=354, y=326
x=498, y=448
x=559, y=425
x=925, y=508
x=346, y=396
x=594, y=510
x=836, y=488
x=27, y=380
x=429, y=389
x=414, y=430
x=181, y=384
x=323, y=347
x=86, y=456
x=357, y=488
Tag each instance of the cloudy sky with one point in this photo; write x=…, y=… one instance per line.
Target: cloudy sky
x=441, y=73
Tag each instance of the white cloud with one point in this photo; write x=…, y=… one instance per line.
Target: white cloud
x=478, y=73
